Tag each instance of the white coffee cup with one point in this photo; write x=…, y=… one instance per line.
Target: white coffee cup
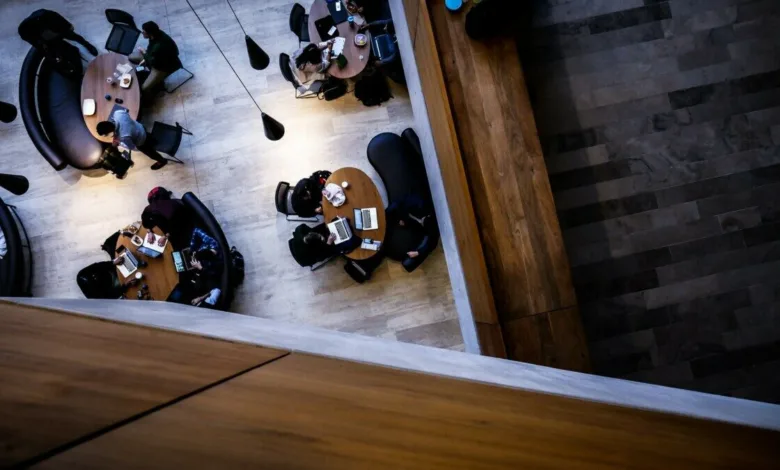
x=344, y=184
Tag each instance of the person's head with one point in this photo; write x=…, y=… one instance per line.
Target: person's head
x=205, y=256
x=313, y=238
x=158, y=194
x=310, y=55
x=150, y=29
x=105, y=127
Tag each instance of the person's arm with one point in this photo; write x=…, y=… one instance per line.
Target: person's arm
x=151, y=54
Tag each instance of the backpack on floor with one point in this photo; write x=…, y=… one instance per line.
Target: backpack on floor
x=237, y=262
x=373, y=89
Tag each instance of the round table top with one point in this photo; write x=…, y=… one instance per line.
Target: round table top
x=362, y=193
x=319, y=10
x=160, y=273
x=94, y=86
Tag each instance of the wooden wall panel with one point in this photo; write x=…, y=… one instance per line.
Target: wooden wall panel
x=526, y=258
x=452, y=170
x=310, y=412
x=63, y=377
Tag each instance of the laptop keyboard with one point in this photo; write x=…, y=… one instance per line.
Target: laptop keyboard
x=366, y=218
x=340, y=229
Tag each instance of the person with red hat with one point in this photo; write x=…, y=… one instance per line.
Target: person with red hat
x=169, y=215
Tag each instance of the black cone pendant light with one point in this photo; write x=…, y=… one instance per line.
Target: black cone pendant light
x=274, y=129
x=257, y=56
x=258, y=59
x=7, y=112
x=15, y=184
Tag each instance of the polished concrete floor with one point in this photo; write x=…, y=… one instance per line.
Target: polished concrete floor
x=231, y=166
x=660, y=122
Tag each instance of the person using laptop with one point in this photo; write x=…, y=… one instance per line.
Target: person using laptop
x=310, y=62
x=131, y=134
x=411, y=213
x=162, y=55
x=169, y=215
x=306, y=198
x=318, y=244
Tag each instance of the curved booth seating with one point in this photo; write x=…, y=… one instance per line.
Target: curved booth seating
x=398, y=160
x=206, y=221
x=50, y=105
x=16, y=265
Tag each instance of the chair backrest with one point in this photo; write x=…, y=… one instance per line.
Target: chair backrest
x=99, y=281
x=297, y=16
x=287, y=73
x=118, y=16
x=298, y=254
x=167, y=137
x=281, y=196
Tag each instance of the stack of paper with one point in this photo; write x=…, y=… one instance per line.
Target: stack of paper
x=338, y=46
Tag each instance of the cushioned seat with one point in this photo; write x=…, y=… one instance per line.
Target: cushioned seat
x=398, y=160
x=51, y=110
x=16, y=265
x=206, y=221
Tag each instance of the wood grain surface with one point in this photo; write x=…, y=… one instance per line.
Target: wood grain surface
x=355, y=65
x=526, y=257
x=453, y=174
x=94, y=86
x=362, y=193
x=63, y=377
x=160, y=273
x=311, y=412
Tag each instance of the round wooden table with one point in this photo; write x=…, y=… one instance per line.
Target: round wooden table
x=319, y=10
x=160, y=273
x=94, y=86
x=361, y=194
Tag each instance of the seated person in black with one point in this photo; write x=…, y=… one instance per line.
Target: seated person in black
x=306, y=198
x=317, y=244
x=414, y=215
x=169, y=215
x=43, y=27
x=200, y=286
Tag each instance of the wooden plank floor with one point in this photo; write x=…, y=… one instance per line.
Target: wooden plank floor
x=231, y=167
x=524, y=249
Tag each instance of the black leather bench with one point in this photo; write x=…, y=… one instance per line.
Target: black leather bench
x=206, y=221
x=399, y=162
x=50, y=105
x=16, y=265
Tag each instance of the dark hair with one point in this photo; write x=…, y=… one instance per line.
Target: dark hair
x=151, y=28
x=311, y=54
x=204, y=256
x=105, y=127
x=313, y=237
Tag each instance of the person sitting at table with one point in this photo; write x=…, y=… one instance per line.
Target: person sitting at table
x=414, y=215
x=169, y=215
x=306, y=199
x=162, y=55
x=310, y=62
x=131, y=134
x=315, y=244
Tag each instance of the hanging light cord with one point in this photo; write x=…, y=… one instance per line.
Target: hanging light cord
x=237, y=20
x=223, y=54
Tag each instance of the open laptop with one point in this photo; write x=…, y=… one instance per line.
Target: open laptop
x=129, y=264
x=366, y=219
x=182, y=260
x=152, y=250
x=340, y=227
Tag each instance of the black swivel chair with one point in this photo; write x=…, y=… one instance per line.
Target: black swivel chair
x=283, y=199
x=100, y=281
x=167, y=139
x=124, y=34
x=287, y=73
x=299, y=23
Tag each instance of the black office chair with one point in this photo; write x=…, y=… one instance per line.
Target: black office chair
x=100, y=281
x=287, y=73
x=124, y=34
x=299, y=23
x=283, y=198
x=172, y=84
x=167, y=139
x=298, y=254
